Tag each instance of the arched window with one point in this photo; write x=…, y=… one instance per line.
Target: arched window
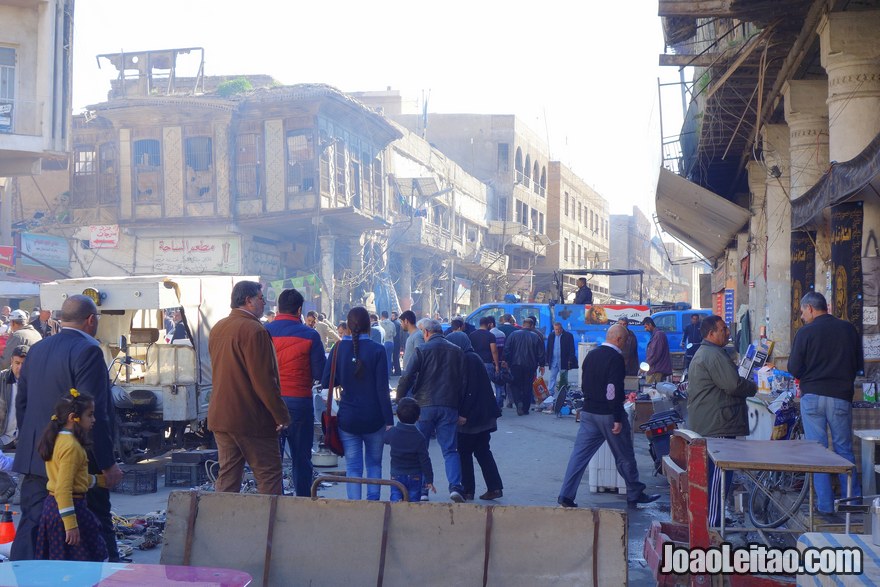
x=536, y=186
x=543, y=181
x=518, y=164
x=528, y=171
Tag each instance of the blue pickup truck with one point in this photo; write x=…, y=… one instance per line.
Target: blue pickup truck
x=590, y=323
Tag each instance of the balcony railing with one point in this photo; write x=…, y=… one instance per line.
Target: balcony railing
x=21, y=117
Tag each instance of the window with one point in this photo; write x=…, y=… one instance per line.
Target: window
x=198, y=155
x=147, y=168
x=527, y=172
x=301, y=162
x=522, y=213
x=534, y=220
x=108, y=158
x=378, y=187
x=84, y=187
x=518, y=164
x=543, y=191
x=566, y=204
x=248, y=181
x=580, y=257
x=580, y=213
x=665, y=323
x=536, y=187
x=7, y=88
x=541, y=223
x=565, y=250
x=502, y=208
x=503, y=157
x=339, y=171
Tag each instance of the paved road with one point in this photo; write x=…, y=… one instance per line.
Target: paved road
x=532, y=452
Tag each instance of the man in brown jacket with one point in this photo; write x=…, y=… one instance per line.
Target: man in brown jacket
x=246, y=412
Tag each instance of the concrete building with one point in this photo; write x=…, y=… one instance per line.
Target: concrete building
x=630, y=248
x=787, y=190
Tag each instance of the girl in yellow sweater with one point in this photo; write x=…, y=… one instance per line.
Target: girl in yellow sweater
x=68, y=530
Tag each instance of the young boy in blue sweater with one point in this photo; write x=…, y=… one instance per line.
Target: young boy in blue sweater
x=410, y=462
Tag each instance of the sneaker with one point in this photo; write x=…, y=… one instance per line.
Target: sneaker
x=566, y=502
x=456, y=497
x=423, y=498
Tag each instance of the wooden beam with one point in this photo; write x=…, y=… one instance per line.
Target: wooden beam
x=695, y=8
x=689, y=60
x=753, y=44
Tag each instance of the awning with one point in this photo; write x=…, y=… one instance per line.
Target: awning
x=843, y=181
x=704, y=220
x=11, y=287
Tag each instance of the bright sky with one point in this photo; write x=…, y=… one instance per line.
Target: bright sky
x=582, y=75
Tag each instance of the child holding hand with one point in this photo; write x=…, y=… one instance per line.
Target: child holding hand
x=68, y=529
x=410, y=463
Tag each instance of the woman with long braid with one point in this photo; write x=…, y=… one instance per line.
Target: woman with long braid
x=365, y=404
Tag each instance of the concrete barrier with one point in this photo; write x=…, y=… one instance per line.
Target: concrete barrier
x=299, y=541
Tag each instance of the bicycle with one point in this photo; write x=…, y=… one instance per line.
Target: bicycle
x=778, y=495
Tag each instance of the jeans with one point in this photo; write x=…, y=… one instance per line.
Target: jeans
x=300, y=436
x=817, y=412
x=358, y=449
x=477, y=445
x=550, y=376
x=389, y=350
x=413, y=484
x=596, y=429
x=444, y=421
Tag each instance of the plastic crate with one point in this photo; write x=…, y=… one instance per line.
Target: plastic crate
x=193, y=456
x=137, y=480
x=185, y=475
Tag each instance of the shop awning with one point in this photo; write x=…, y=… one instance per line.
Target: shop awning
x=842, y=182
x=703, y=220
x=11, y=287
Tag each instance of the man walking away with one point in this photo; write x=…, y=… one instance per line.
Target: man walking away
x=414, y=338
x=717, y=401
x=437, y=378
x=301, y=360
x=388, y=332
x=23, y=334
x=72, y=359
x=604, y=419
x=657, y=354
x=246, y=413
x=329, y=335
x=826, y=356
x=398, y=342
x=524, y=353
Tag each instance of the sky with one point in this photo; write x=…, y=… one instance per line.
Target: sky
x=582, y=75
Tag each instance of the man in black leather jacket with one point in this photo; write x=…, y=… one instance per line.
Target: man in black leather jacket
x=436, y=376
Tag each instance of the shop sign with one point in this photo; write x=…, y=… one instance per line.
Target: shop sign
x=194, y=256
x=7, y=258
x=104, y=236
x=51, y=250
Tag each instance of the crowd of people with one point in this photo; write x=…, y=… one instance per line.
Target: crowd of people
x=56, y=407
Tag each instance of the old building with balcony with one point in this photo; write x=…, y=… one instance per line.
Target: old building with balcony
x=776, y=183
x=630, y=248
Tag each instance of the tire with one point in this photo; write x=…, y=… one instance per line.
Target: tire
x=788, y=488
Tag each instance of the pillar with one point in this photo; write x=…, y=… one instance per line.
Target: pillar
x=850, y=53
x=757, y=240
x=328, y=246
x=404, y=286
x=777, y=207
x=806, y=113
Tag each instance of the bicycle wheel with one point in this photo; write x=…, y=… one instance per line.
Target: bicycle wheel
x=788, y=490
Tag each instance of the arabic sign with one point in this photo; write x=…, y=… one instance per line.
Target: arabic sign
x=197, y=255
x=846, y=262
x=51, y=250
x=6, y=117
x=7, y=258
x=104, y=236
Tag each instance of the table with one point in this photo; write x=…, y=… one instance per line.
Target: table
x=55, y=573
x=799, y=456
x=870, y=558
x=869, y=439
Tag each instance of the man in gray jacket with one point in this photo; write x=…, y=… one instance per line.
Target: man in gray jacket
x=717, y=401
x=22, y=334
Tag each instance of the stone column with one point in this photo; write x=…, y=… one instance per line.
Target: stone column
x=355, y=292
x=850, y=52
x=757, y=241
x=777, y=316
x=328, y=253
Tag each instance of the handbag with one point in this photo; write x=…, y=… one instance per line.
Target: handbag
x=329, y=422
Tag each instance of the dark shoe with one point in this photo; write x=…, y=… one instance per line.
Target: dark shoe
x=468, y=496
x=490, y=495
x=644, y=498
x=456, y=497
x=566, y=502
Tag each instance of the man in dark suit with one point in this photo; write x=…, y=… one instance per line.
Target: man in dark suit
x=561, y=356
x=70, y=359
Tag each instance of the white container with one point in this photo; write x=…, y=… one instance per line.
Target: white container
x=603, y=472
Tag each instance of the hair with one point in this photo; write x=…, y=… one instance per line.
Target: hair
x=815, y=300
x=529, y=320
x=648, y=322
x=409, y=316
x=374, y=317
x=243, y=290
x=582, y=281
x=358, y=323
x=322, y=316
x=709, y=324
x=430, y=325
x=290, y=301
x=456, y=324
x=507, y=318
x=312, y=314
x=486, y=321
x=66, y=406
x=342, y=324
x=77, y=308
x=408, y=410
x=20, y=351
x=270, y=313
x=384, y=313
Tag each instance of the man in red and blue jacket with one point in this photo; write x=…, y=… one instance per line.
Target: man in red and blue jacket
x=301, y=361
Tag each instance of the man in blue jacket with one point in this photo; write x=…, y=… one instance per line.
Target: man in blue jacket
x=301, y=361
x=561, y=356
